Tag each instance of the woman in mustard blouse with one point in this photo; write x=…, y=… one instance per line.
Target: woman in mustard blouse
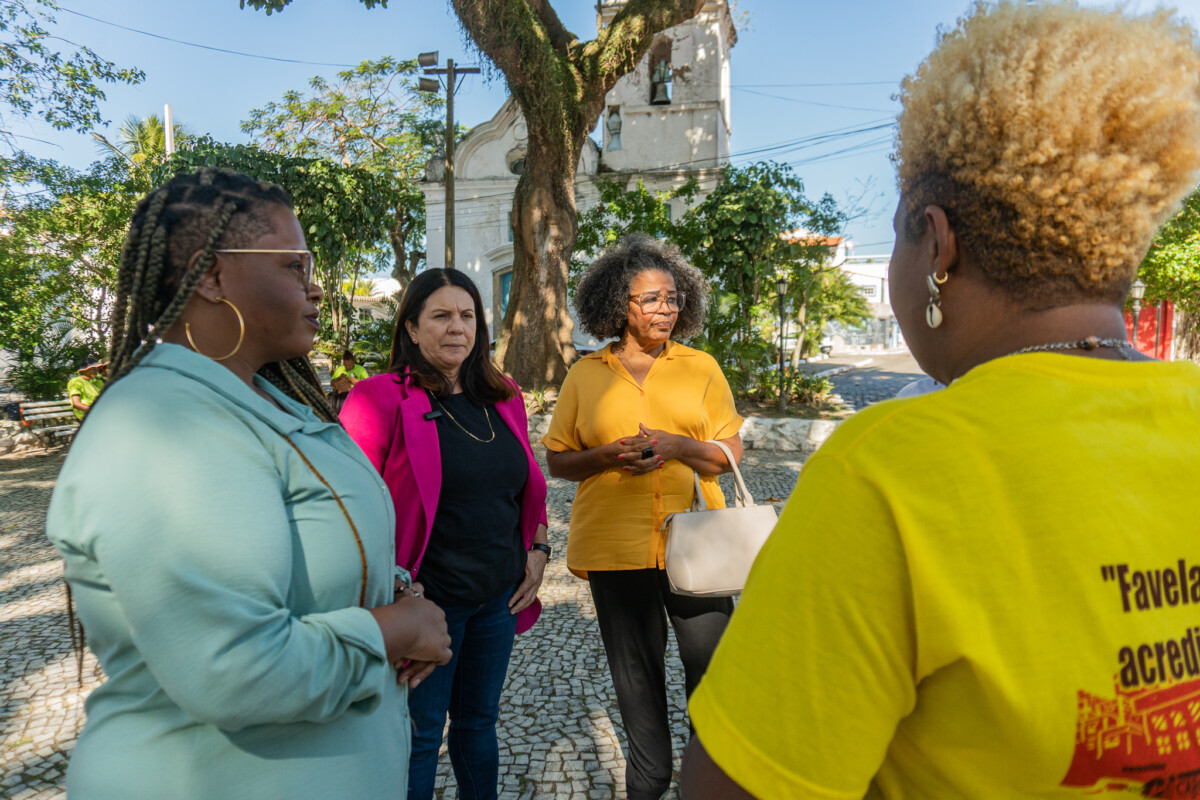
x=631, y=426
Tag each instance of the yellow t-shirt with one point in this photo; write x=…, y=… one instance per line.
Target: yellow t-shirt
x=86, y=389
x=616, y=518
x=988, y=592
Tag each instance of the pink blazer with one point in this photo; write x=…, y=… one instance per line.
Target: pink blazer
x=385, y=415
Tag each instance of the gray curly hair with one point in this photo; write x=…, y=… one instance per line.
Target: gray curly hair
x=602, y=297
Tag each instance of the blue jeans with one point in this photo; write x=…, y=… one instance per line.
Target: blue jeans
x=468, y=688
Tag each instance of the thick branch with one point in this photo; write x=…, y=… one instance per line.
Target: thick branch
x=560, y=37
x=619, y=47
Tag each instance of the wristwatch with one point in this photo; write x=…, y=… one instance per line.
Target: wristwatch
x=545, y=548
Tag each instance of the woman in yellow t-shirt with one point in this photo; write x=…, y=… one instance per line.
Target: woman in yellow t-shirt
x=631, y=425
x=989, y=591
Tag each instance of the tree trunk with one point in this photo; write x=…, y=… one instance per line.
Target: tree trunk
x=404, y=267
x=536, y=345
x=560, y=84
x=801, y=329
x=1187, y=337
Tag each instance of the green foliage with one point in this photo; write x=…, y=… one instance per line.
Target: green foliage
x=622, y=211
x=756, y=225
x=37, y=79
x=737, y=235
x=142, y=141
x=537, y=401
x=60, y=250
x=742, y=358
x=1171, y=268
x=42, y=372
x=560, y=84
x=372, y=343
x=371, y=117
x=806, y=388
x=345, y=211
x=825, y=295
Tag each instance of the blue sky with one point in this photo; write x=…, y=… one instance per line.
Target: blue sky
x=799, y=69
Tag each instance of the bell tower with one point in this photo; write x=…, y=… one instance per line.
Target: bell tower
x=673, y=111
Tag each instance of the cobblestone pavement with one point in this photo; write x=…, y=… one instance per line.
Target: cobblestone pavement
x=560, y=730
x=877, y=381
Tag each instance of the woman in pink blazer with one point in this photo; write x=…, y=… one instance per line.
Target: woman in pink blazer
x=448, y=433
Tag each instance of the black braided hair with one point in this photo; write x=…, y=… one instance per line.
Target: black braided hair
x=200, y=211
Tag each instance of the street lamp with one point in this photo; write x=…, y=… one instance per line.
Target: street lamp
x=1137, y=291
x=781, y=286
x=428, y=62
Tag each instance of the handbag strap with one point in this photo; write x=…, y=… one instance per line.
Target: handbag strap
x=741, y=495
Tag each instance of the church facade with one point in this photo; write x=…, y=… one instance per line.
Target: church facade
x=665, y=122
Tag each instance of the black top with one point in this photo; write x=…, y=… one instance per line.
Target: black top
x=475, y=551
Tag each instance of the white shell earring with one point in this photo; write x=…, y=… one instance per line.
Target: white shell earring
x=933, y=311
x=933, y=315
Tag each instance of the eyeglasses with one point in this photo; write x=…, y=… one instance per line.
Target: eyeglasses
x=306, y=263
x=650, y=303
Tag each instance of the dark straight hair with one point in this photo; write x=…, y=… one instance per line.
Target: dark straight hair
x=482, y=383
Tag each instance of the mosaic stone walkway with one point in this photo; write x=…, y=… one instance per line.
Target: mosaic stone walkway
x=560, y=729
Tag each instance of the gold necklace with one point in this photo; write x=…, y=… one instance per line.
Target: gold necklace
x=486, y=416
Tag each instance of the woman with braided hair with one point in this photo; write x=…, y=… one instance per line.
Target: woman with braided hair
x=228, y=546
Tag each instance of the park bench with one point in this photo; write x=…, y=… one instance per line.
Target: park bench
x=49, y=420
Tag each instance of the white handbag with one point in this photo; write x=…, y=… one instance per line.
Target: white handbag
x=710, y=551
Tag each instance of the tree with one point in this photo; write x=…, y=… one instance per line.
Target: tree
x=372, y=117
x=345, y=211
x=559, y=83
x=58, y=262
x=756, y=226
x=140, y=139
x=1171, y=271
x=620, y=211
x=740, y=238
x=36, y=80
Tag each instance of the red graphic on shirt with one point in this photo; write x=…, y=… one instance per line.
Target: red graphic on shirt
x=1145, y=740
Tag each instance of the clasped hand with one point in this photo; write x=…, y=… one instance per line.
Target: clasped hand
x=666, y=446
x=415, y=635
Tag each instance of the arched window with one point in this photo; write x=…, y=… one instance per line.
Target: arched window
x=660, y=72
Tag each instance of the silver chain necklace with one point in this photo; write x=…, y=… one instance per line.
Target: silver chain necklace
x=1086, y=343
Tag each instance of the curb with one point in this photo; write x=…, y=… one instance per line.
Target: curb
x=829, y=373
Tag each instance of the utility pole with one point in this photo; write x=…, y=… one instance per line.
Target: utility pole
x=168, y=130
x=427, y=60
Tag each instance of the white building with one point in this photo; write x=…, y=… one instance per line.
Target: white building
x=870, y=275
x=668, y=120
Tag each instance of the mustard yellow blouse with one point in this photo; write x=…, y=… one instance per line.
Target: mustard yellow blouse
x=616, y=518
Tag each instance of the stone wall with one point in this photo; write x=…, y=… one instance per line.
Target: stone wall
x=758, y=433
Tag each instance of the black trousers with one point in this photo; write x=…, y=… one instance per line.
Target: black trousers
x=630, y=606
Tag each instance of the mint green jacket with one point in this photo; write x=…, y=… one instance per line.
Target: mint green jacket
x=218, y=582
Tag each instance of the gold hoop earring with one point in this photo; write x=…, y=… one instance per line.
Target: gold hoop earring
x=187, y=329
x=942, y=279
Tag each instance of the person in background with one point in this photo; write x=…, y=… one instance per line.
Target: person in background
x=449, y=434
x=85, y=386
x=228, y=547
x=632, y=425
x=987, y=591
x=344, y=377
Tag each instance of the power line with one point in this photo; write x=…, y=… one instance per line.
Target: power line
x=779, y=148
x=811, y=85
x=813, y=102
x=205, y=46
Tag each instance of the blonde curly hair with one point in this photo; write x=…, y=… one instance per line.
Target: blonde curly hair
x=1057, y=139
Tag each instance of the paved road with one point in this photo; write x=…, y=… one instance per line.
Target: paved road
x=560, y=729
x=879, y=380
